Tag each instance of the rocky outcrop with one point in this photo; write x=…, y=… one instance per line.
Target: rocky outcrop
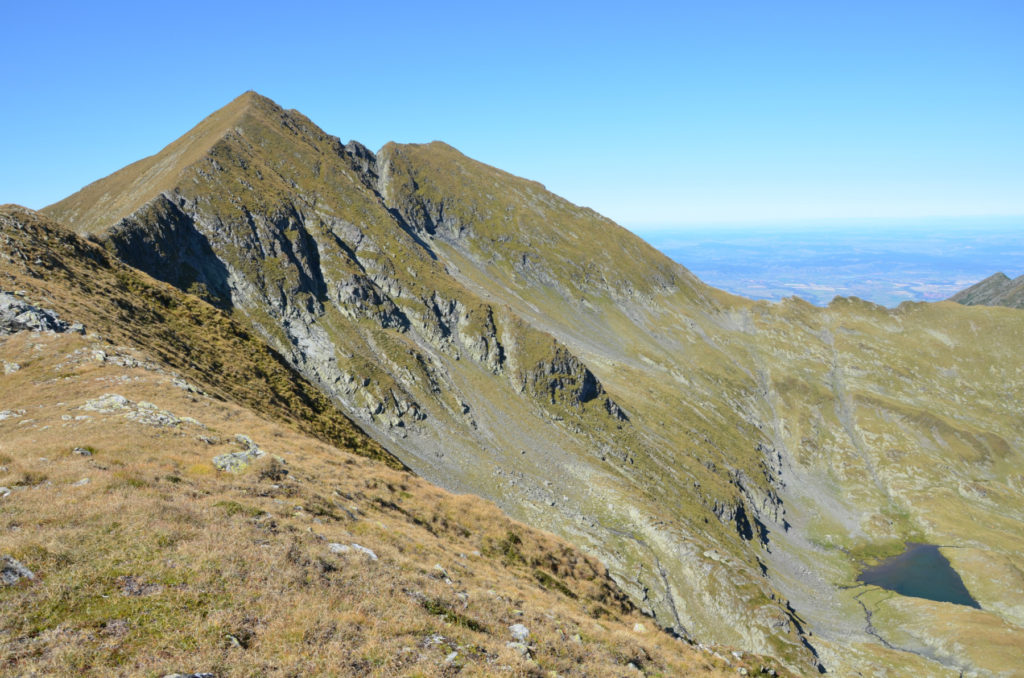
x=236, y=461
x=17, y=315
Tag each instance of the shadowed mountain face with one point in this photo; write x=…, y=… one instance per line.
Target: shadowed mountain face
x=995, y=290
x=732, y=462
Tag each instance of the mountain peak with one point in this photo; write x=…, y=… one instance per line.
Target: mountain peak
x=103, y=203
x=247, y=102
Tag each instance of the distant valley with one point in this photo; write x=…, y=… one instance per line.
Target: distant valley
x=883, y=263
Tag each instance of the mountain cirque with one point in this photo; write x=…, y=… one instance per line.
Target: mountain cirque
x=733, y=463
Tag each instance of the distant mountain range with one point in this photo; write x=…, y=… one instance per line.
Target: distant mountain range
x=733, y=463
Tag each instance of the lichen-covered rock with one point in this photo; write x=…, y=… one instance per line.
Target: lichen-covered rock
x=151, y=415
x=236, y=461
x=11, y=571
x=142, y=412
x=108, y=403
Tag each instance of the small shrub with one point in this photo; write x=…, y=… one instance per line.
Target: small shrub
x=507, y=549
x=442, y=609
x=234, y=508
x=31, y=478
x=549, y=582
x=124, y=480
x=271, y=469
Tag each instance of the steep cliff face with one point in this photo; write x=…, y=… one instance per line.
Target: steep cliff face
x=731, y=462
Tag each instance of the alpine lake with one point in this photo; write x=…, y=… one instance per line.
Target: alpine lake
x=921, y=571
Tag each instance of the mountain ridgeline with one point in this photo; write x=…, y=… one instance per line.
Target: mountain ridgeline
x=733, y=463
x=995, y=290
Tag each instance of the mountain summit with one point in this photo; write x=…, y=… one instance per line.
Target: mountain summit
x=734, y=463
x=93, y=208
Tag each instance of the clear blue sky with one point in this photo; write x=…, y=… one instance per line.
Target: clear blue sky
x=651, y=113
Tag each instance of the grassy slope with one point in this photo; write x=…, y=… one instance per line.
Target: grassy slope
x=160, y=563
x=79, y=279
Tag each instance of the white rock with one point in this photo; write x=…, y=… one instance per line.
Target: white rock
x=369, y=554
x=521, y=648
x=520, y=632
x=335, y=547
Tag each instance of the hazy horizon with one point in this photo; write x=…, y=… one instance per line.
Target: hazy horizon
x=909, y=262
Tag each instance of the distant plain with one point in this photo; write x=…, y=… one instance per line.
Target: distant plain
x=886, y=263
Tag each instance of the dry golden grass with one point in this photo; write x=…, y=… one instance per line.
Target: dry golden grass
x=161, y=563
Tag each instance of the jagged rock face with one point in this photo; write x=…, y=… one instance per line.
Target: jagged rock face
x=732, y=462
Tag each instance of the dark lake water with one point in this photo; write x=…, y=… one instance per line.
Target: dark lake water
x=920, y=572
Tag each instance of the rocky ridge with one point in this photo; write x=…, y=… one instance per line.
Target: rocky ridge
x=995, y=290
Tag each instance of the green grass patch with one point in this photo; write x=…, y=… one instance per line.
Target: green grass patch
x=871, y=553
x=442, y=609
x=233, y=508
